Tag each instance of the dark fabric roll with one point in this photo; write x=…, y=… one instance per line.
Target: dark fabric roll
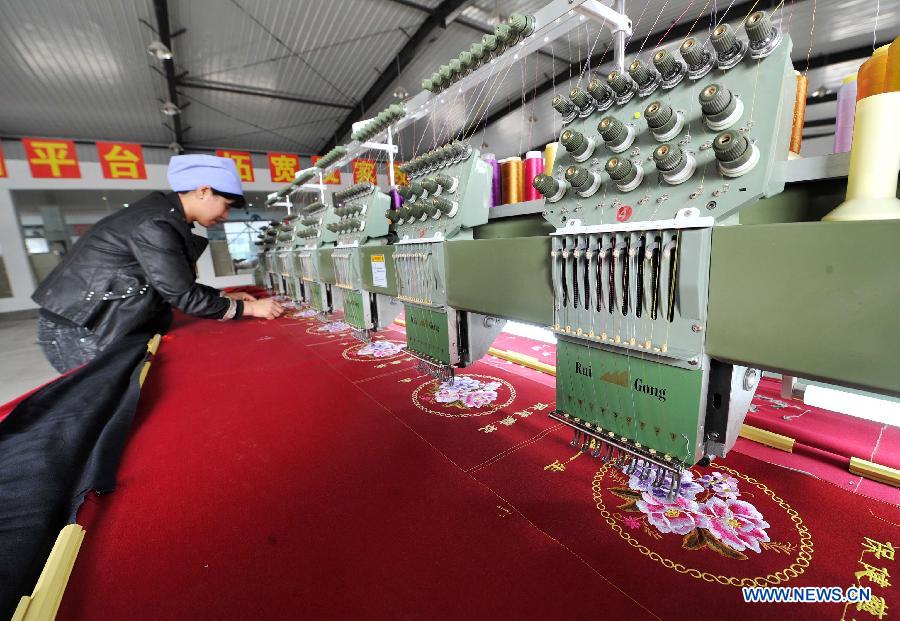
x=56, y=445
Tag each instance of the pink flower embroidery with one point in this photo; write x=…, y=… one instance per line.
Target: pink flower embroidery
x=721, y=484
x=479, y=398
x=632, y=522
x=735, y=523
x=679, y=517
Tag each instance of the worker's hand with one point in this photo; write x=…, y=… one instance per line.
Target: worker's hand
x=240, y=295
x=264, y=309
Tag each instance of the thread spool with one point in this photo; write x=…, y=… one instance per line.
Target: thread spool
x=892, y=75
x=496, y=194
x=799, y=113
x=550, y=157
x=511, y=170
x=843, y=120
x=874, y=162
x=872, y=73
x=534, y=166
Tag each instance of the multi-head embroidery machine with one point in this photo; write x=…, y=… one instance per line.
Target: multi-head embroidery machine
x=685, y=252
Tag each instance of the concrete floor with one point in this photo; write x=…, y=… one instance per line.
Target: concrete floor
x=22, y=364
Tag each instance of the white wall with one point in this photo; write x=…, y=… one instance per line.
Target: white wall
x=14, y=254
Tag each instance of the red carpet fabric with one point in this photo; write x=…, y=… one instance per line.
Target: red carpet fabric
x=291, y=494
x=269, y=476
x=799, y=531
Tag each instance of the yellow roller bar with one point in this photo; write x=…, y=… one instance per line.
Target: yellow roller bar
x=769, y=438
x=43, y=603
x=876, y=472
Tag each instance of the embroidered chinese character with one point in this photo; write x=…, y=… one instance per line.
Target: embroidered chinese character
x=878, y=575
x=523, y=414
x=876, y=607
x=540, y=406
x=880, y=550
x=509, y=420
x=488, y=428
x=556, y=466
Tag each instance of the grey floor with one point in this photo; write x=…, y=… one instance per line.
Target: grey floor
x=22, y=365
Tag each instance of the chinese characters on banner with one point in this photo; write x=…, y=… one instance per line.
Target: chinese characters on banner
x=52, y=159
x=283, y=166
x=242, y=160
x=121, y=160
x=333, y=178
x=2, y=163
x=400, y=177
x=364, y=170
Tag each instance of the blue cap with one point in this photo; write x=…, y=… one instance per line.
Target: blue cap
x=189, y=172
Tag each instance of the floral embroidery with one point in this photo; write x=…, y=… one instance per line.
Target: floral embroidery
x=466, y=392
x=334, y=327
x=736, y=523
x=380, y=349
x=305, y=314
x=706, y=512
x=464, y=396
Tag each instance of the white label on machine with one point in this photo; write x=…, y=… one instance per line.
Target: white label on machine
x=379, y=271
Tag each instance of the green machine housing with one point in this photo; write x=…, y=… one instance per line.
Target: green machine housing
x=362, y=224
x=447, y=196
x=312, y=255
x=651, y=163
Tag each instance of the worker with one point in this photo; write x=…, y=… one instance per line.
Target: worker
x=125, y=275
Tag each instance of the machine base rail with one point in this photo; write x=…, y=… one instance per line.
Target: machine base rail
x=435, y=368
x=619, y=451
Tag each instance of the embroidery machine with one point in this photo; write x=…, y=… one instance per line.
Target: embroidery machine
x=685, y=253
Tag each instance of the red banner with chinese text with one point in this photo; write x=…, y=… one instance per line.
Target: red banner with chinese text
x=283, y=166
x=363, y=171
x=332, y=178
x=242, y=160
x=52, y=159
x=121, y=160
x=2, y=163
x=400, y=177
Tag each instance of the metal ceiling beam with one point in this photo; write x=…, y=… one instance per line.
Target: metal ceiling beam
x=436, y=19
x=253, y=92
x=839, y=57
x=161, y=8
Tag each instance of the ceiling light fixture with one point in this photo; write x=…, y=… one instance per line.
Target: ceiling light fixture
x=400, y=93
x=169, y=109
x=158, y=50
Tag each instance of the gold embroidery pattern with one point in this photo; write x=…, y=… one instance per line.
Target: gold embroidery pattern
x=464, y=412
x=779, y=577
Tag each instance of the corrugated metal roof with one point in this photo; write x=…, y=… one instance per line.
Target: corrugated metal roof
x=79, y=69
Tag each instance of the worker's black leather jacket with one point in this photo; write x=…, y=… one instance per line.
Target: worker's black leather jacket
x=129, y=270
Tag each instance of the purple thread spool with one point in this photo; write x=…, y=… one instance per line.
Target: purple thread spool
x=491, y=160
x=843, y=121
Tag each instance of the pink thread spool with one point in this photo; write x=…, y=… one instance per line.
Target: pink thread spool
x=534, y=166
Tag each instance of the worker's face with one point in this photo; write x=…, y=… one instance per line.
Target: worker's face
x=212, y=208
